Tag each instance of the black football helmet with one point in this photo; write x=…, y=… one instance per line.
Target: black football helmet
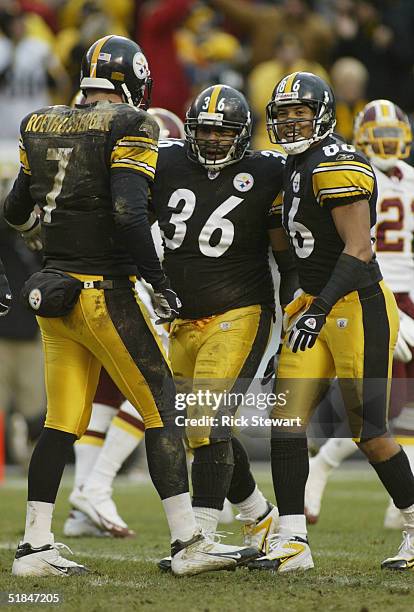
x=302, y=88
x=224, y=108
x=115, y=63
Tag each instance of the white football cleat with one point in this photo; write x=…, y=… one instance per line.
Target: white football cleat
x=393, y=518
x=314, y=489
x=101, y=509
x=286, y=554
x=78, y=524
x=256, y=532
x=226, y=515
x=404, y=559
x=44, y=561
x=203, y=553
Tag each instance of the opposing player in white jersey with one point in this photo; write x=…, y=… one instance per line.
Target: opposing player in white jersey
x=382, y=131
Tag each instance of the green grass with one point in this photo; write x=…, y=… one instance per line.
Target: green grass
x=348, y=544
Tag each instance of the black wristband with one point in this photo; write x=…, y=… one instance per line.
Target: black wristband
x=349, y=274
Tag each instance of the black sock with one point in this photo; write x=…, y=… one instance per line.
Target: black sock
x=167, y=463
x=47, y=464
x=290, y=469
x=397, y=477
x=211, y=474
x=242, y=483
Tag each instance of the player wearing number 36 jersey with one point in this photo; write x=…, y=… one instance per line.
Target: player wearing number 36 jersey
x=219, y=208
x=345, y=324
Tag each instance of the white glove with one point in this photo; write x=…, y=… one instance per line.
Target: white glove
x=32, y=237
x=407, y=328
x=402, y=350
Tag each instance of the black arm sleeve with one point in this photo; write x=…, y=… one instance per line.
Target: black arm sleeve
x=19, y=205
x=130, y=200
x=289, y=280
x=349, y=274
x=2, y=270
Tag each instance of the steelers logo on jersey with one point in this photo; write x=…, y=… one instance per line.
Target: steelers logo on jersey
x=243, y=181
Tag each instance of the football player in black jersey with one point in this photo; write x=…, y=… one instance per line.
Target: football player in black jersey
x=89, y=169
x=219, y=207
x=344, y=324
x=5, y=293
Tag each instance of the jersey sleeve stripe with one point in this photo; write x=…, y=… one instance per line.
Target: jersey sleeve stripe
x=142, y=145
x=337, y=182
x=134, y=165
x=347, y=163
x=24, y=161
x=340, y=192
x=140, y=156
x=343, y=168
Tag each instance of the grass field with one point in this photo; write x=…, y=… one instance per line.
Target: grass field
x=348, y=545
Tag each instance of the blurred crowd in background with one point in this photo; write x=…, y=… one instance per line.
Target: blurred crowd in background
x=364, y=48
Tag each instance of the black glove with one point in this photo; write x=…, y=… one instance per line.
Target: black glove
x=5, y=296
x=166, y=303
x=271, y=368
x=306, y=328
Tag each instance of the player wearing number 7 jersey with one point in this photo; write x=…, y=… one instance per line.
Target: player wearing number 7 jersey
x=219, y=207
x=345, y=324
x=89, y=169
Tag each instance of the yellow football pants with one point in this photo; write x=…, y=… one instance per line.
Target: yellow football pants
x=215, y=353
x=109, y=328
x=356, y=344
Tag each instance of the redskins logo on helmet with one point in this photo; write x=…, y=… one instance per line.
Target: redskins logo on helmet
x=224, y=111
x=170, y=125
x=382, y=131
x=115, y=63
x=301, y=88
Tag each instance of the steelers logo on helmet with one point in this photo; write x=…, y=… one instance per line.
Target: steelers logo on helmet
x=117, y=64
x=243, y=181
x=35, y=299
x=218, y=127
x=291, y=96
x=140, y=65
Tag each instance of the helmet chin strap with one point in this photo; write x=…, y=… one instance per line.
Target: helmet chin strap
x=127, y=94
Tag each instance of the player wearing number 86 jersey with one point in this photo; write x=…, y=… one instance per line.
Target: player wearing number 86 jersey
x=345, y=324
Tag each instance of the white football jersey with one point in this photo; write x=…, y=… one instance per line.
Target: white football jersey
x=395, y=226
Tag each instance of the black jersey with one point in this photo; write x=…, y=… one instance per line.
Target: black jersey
x=68, y=154
x=215, y=228
x=325, y=176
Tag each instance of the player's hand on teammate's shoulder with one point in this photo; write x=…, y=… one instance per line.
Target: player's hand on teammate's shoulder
x=5, y=296
x=166, y=303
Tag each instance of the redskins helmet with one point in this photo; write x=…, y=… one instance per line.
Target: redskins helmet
x=382, y=131
x=223, y=108
x=170, y=125
x=301, y=88
x=115, y=63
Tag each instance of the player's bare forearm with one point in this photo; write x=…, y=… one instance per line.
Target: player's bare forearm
x=352, y=222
